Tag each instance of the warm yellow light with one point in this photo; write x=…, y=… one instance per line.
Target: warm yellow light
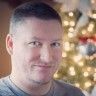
x=90, y=29
x=94, y=16
x=72, y=23
x=67, y=46
x=94, y=76
x=64, y=54
x=91, y=57
x=81, y=63
x=71, y=68
x=71, y=35
x=72, y=71
x=77, y=58
x=86, y=74
x=77, y=85
x=87, y=57
x=71, y=14
x=56, y=75
x=84, y=32
x=71, y=29
x=89, y=69
x=65, y=23
x=95, y=70
x=87, y=84
x=91, y=25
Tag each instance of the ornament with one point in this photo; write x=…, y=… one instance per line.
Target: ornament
x=86, y=45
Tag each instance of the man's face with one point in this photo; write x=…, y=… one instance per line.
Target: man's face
x=37, y=49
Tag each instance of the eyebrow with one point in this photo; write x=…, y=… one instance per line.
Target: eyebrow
x=36, y=38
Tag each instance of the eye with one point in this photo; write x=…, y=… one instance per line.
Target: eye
x=56, y=44
x=35, y=44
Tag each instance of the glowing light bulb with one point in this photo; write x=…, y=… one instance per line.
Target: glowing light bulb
x=71, y=14
x=71, y=29
x=56, y=75
x=64, y=54
x=87, y=84
x=72, y=71
x=84, y=32
x=77, y=85
x=71, y=35
x=95, y=70
x=94, y=76
x=77, y=58
x=90, y=27
x=89, y=69
x=67, y=46
x=72, y=23
x=94, y=15
x=65, y=23
x=86, y=74
x=81, y=63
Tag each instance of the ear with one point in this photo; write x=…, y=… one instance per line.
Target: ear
x=9, y=44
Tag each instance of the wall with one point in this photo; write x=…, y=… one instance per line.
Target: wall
x=5, y=12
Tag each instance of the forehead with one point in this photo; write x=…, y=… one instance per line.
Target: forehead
x=38, y=27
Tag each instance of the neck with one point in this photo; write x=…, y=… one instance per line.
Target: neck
x=32, y=88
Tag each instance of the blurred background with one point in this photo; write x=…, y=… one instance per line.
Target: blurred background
x=78, y=65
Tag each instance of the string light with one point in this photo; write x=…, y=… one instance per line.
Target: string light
x=69, y=49
x=85, y=74
x=77, y=85
x=89, y=69
x=84, y=32
x=64, y=54
x=90, y=27
x=77, y=58
x=56, y=75
x=94, y=16
x=94, y=76
x=67, y=46
x=72, y=71
x=72, y=23
x=81, y=63
x=71, y=35
x=95, y=70
x=71, y=29
x=65, y=23
x=71, y=14
x=87, y=84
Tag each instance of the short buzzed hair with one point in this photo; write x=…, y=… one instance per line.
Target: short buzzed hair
x=39, y=10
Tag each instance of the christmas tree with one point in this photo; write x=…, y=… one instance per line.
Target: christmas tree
x=78, y=65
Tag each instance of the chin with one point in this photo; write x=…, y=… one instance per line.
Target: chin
x=42, y=80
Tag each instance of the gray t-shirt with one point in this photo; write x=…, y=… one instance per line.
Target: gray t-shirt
x=7, y=88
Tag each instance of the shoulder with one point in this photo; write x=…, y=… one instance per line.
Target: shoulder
x=4, y=89
x=2, y=84
x=67, y=89
x=94, y=91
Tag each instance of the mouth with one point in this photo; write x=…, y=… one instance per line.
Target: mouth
x=43, y=66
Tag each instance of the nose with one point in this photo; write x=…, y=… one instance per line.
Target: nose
x=46, y=54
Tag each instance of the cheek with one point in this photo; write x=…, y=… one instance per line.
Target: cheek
x=58, y=55
x=31, y=55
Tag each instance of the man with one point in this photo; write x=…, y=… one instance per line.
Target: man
x=35, y=45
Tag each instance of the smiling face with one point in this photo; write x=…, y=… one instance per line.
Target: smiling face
x=36, y=49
